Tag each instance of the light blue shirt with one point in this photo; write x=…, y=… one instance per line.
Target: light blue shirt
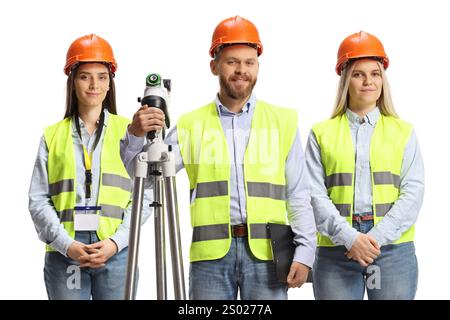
x=237, y=128
x=43, y=213
x=403, y=213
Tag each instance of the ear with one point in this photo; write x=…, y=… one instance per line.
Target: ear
x=213, y=67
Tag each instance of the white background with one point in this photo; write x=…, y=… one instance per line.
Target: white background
x=300, y=41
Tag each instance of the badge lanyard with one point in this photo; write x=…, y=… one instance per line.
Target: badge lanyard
x=88, y=156
x=88, y=172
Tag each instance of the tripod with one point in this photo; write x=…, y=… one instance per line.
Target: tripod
x=158, y=162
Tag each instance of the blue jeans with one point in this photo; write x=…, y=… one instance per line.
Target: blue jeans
x=64, y=280
x=392, y=276
x=239, y=270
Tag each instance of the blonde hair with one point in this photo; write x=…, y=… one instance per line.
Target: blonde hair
x=384, y=103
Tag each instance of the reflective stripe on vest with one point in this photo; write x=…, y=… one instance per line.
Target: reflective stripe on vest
x=115, y=184
x=386, y=156
x=221, y=231
x=206, y=158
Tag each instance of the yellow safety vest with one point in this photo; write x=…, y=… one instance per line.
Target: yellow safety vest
x=386, y=156
x=115, y=184
x=206, y=158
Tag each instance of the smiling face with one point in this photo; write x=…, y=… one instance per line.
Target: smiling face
x=365, y=85
x=91, y=85
x=237, y=68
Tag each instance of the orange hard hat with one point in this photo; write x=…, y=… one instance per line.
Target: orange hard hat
x=359, y=45
x=90, y=48
x=235, y=30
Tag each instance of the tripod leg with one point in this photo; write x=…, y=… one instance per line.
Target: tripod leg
x=160, y=247
x=175, y=239
x=140, y=167
x=133, y=243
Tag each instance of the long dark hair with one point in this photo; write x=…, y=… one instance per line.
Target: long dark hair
x=71, y=98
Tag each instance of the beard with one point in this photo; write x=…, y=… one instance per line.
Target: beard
x=237, y=94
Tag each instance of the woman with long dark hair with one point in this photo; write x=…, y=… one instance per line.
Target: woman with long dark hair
x=80, y=193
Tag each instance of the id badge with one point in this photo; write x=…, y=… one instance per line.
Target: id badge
x=84, y=221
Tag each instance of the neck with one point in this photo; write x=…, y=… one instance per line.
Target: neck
x=234, y=105
x=89, y=116
x=362, y=111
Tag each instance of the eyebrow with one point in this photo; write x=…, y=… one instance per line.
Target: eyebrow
x=238, y=59
x=357, y=70
x=100, y=73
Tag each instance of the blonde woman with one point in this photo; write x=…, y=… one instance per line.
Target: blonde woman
x=367, y=184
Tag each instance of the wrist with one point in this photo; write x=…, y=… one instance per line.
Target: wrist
x=132, y=131
x=351, y=238
x=116, y=247
x=377, y=235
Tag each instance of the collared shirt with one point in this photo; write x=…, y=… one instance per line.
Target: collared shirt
x=403, y=213
x=42, y=211
x=237, y=128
